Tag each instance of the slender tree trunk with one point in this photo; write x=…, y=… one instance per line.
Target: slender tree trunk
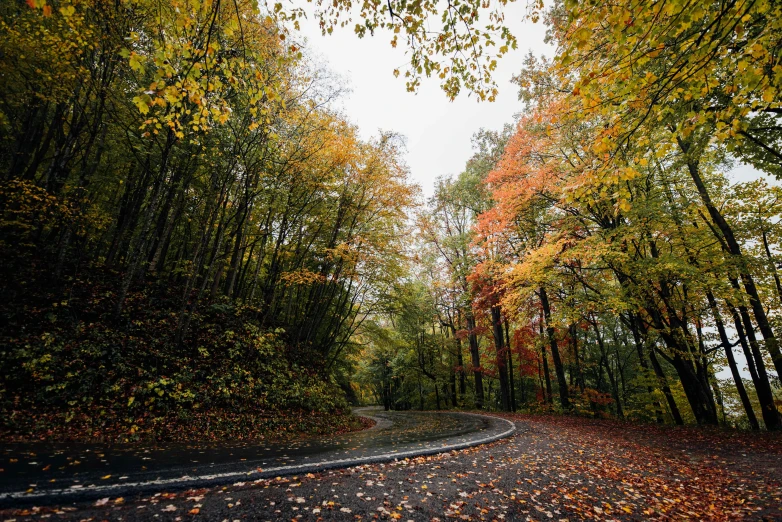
x=704, y=374
x=704, y=412
x=573, y=329
x=476, y=359
x=749, y=344
x=510, y=367
x=460, y=359
x=609, y=372
x=734, y=248
x=546, y=373
x=748, y=357
x=772, y=266
x=658, y=371
x=159, y=257
x=683, y=352
x=564, y=396
x=238, y=250
x=639, y=348
x=681, y=355
x=452, y=382
x=460, y=363
x=501, y=358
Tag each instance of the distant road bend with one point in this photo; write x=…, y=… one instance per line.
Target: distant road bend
x=43, y=473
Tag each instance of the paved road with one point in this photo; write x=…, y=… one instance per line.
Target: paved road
x=47, y=473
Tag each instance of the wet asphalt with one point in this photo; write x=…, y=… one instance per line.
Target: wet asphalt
x=43, y=473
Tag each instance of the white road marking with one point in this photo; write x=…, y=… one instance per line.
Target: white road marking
x=330, y=464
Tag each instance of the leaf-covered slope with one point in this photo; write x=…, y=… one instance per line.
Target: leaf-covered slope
x=70, y=371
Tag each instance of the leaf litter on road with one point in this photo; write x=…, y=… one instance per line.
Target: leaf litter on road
x=555, y=468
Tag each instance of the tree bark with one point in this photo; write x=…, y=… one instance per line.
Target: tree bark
x=609, y=372
x=734, y=248
x=510, y=367
x=757, y=370
x=734, y=370
x=564, y=396
x=501, y=358
x=546, y=372
x=476, y=359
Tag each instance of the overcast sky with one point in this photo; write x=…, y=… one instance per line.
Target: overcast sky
x=438, y=132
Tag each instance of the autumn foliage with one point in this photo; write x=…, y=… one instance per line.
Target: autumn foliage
x=165, y=163
x=596, y=256
x=615, y=218
x=188, y=232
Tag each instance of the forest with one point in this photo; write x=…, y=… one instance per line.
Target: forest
x=190, y=234
x=594, y=256
x=194, y=242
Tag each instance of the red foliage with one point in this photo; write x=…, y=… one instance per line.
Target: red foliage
x=523, y=345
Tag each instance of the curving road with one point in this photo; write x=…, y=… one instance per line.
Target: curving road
x=44, y=473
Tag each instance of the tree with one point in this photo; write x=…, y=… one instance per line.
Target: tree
x=185, y=156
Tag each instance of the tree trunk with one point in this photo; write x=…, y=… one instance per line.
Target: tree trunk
x=476, y=359
x=501, y=358
x=573, y=334
x=633, y=321
x=734, y=248
x=510, y=367
x=564, y=397
x=546, y=372
x=772, y=266
x=609, y=372
x=658, y=371
x=693, y=389
x=459, y=358
x=749, y=345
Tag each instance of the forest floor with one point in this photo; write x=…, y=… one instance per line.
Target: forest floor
x=554, y=468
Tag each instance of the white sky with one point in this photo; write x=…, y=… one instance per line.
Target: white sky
x=438, y=132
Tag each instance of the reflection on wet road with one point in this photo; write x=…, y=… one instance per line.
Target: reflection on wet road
x=40, y=469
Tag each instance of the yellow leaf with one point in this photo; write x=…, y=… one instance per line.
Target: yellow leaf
x=135, y=63
x=582, y=36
